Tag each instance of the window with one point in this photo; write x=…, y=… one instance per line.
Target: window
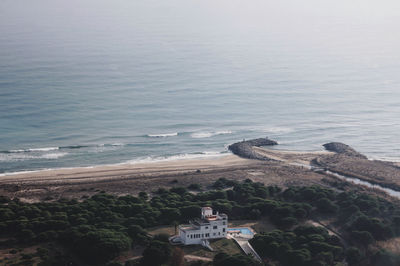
x=191, y=236
x=215, y=227
x=215, y=234
x=202, y=235
x=219, y=233
x=223, y=230
x=206, y=227
x=223, y=223
x=223, y=218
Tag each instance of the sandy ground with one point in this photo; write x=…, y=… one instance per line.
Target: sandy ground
x=393, y=245
x=299, y=157
x=82, y=174
x=386, y=174
x=131, y=179
x=286, y=168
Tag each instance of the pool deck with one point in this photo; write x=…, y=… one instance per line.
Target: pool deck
x=243, y=241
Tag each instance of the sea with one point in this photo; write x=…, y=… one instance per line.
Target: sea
x=99, y=82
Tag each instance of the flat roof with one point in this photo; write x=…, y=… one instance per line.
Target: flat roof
x=187, y=227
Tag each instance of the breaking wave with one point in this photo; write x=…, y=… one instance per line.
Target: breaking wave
x=33, y=150
x=162, y=135
x=186, y=156
x=276, y=129
x=201, y=135
x=71, y=147
x=10, y=157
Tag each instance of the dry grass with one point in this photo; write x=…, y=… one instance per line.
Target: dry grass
x=379, y=172
x=7, y=258
x=164, y=229
x=392, y=245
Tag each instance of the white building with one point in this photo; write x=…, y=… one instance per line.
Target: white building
x=199, y=231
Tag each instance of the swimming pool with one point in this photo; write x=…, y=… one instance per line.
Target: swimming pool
x=242, y=230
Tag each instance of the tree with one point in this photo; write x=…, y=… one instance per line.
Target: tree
x=157, y=253
x=189, y=212
x=143, y=195
x=178, y=190
x=177, y=257
x=353, y=255
x=385, y=258
x=222, y=259
x=194, y=187
x=101, y=245
x=324, y=205
x=363, y=237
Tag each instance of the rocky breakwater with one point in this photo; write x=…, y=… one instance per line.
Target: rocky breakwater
x=341, y=148
x=245, y=148
x=348, y=162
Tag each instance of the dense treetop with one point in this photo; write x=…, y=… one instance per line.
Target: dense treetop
x=99, y=228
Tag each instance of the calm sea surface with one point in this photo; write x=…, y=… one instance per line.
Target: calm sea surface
x=86, y=83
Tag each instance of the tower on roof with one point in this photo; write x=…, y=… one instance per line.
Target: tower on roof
x=206, y=212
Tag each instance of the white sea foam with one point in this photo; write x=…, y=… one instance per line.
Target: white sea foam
x=53, y=156
x=201, y=135
x=384, y=158
x=201, y=155
x=276, y=129
x=186, y=156
x=45, y=169
x=35, y=150
x=22, y=172
x=11, y=157
x=117, y=144
x=111, y=145
x=163, y=135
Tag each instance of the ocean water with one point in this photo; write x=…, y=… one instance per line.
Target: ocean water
x=86, y=83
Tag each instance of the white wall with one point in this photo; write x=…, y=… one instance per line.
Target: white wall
x=205, y=232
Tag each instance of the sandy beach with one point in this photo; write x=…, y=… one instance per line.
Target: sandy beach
x=283, y=168
x=132, y=178
x=82, y=174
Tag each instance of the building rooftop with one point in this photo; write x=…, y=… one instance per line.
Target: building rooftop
x=188, y=227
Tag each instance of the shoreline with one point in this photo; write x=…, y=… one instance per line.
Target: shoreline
x=194, y=156
x=182, y=164
x=279, y=167
x=171, y=159
x=126, y=179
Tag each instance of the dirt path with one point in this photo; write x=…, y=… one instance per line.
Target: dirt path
x=194, y=258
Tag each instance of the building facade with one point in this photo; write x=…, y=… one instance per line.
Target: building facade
x=209, y=226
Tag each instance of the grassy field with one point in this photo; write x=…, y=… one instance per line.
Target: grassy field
x=164, y=229
x=221, y=245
